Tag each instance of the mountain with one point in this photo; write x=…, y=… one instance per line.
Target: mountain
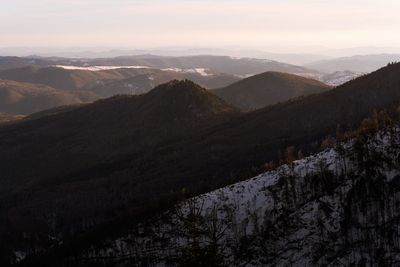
x=359, y=63
x=143, y=83
x=335, y=206
x=74, y=178
x=37, y=88
x=216, y=64
x=268, y=88
x=102, y=130
x=26, y=98
x=361, y=50
x=108, y=82
x=239, y=66
x=19, y=62
x=64, y=79
x=93, y=52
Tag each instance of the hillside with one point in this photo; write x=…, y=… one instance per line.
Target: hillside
x=68, y=80
x=26, y=98
x=216, y=64
x=267, y=89
x=109, y=82
x=143, y=83
x=107, y=164
x=340, y=77
x=19, y=62
x=360, y=63
x=113, y=126
x=328, y=208
x=316, y=202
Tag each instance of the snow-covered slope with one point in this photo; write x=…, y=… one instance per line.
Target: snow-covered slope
x=335, y=78
x=340, y=77
x=338, y=207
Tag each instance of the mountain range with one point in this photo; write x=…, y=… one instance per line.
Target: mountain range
x=78, y=84
x=215, y=64
x=358, y=63
x=92, y=170
x=33, y=88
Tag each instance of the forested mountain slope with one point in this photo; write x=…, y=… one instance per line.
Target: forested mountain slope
x=26, y=98
x=129, y=157
x=267, y=89
x=338, y=207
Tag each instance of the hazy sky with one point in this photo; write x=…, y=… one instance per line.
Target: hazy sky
x=153, y=23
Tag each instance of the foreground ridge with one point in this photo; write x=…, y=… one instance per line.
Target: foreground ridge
x=337, y=207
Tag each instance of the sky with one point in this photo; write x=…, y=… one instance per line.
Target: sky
x=271, y=24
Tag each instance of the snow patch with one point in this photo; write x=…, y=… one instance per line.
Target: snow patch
x=99, y=68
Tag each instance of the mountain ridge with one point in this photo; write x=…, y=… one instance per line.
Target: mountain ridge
x=267, y=89
x=111, y=166
x=26, y=98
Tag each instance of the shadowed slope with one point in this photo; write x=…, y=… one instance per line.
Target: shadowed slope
x=268, y=88
x=27, y=98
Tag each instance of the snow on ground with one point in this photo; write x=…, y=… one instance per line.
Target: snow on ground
x=201, y=71
x=99, y=68
x=245, y=207
x=340, y=77
x=334, y=79
x=251, y=194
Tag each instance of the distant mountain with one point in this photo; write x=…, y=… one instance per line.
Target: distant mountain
x=216, y=64
x=64, y=79
x=240, y=66
x=18, y=62
x=109, y=82
x=36, y=88
x=268, y=88
x=340, y=77
x=121, y=160
x=93, y=52
x=360, y=50
x=361, y=63
x=26, y=98
x=143, y=83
